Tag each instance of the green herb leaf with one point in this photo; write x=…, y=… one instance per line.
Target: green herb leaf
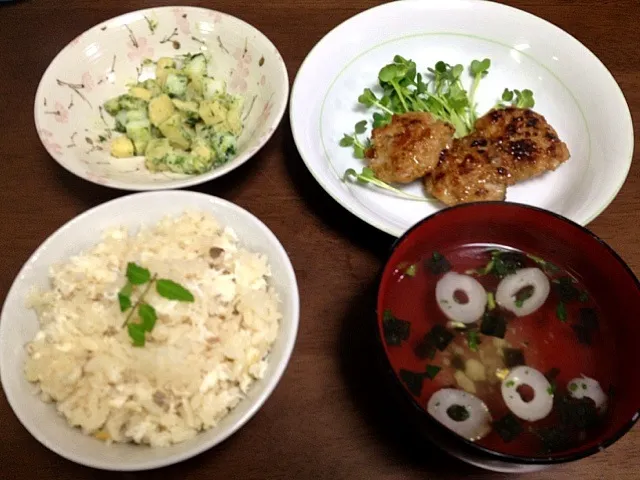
x=173, y=291
x=507, y=95
x=510, y=383
x=137, y=275
x=491, y=301
x=346, y=141
x=480, y=67
x=411, y=270
x=573, y=387
x=124, y=301
x=148, y=316
x=473, y=340
x=432, y=371
x=361, y=127
x=523, y=295
x=561, y=312
x=367, y=176
x=137, y=334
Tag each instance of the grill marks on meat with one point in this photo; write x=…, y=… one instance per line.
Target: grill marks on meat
x=507, y=146
x=524, y=141
x=467, y=173
x=408, y=147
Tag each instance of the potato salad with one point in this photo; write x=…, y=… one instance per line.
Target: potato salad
x=182, y=121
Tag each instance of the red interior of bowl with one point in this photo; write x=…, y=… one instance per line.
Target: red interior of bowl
x=534, y=231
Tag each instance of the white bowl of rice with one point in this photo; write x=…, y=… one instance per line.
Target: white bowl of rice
x=104, y=393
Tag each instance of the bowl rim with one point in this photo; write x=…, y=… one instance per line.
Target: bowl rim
x=425, y=416
x=253, y=407
x=190, y=180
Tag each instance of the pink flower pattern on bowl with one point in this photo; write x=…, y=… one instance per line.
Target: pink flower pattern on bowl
x=87, y=81
x=142, y=51
x=61, y=113
x=241, y=71
x=266, y=112
x=182, y=21
x=73, y=128
x=47, y=141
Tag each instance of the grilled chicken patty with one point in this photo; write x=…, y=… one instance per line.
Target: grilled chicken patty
x=507, y=146
x=409, y=147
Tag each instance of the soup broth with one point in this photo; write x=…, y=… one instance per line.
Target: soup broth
x=544, y=378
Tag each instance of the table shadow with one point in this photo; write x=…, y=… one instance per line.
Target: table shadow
x=364, y=379
x=333, y=215
x=227, y=186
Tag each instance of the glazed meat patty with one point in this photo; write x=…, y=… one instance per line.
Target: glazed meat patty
x=467, y=172
x=507, y=146
x=525, y=142
x=408, y=147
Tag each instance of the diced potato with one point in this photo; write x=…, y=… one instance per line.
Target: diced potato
x=200, y=148
x=185, y=106
x=122, y=147
x=157, y=150
x=175, y=131
x=475, y=370
x=140, y=92
x=211, y=88
x=163, y=66
x=196, y=66
x=213, y=113
x=176, y=84
x=139, y=132
x=160, y=109
x=464, y=382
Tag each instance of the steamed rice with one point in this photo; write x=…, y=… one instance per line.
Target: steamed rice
x=199, y=360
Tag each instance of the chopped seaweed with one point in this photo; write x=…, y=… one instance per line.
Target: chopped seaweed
x=513, y=357
x=493, y=324
x=566, y=289
x=588, y=318
x=437, y=264
x=508, y=427
x=506, y=263
x=395, y=330
x=432, y=371
x=413, y=381
x=458, y=413
x=583, y=334
x=438, y=338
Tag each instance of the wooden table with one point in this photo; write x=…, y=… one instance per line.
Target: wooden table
x=326, y=419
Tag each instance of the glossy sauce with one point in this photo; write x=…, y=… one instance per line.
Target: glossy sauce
x=548, y=344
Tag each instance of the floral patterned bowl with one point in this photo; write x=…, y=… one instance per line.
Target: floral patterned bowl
x=99, y=63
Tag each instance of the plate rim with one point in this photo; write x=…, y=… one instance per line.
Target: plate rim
x=379, y=223
x=188, y=181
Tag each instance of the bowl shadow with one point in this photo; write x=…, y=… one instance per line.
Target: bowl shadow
x=227, y=186
x=362, y=369
x=332, y=214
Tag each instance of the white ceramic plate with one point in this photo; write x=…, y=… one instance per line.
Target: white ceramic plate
x=572, y=89
x=18, y=325
x=99, y=63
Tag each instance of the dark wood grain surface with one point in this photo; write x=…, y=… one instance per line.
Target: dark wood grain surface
x=327, y=419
